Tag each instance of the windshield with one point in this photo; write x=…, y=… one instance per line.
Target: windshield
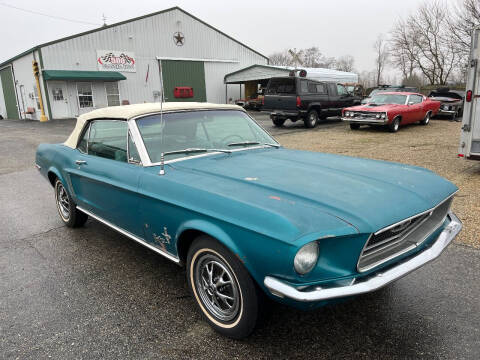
x=197, y=131
x=381, y=99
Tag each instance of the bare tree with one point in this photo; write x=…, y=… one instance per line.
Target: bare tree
x=402, y=52
x=423, y=41
x=281, y=58
x=464, y=18
x=310, y=57
x=430, y=36
x=381, y=57
x=345, y=63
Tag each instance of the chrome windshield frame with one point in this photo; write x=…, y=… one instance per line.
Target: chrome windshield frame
x=142, y=150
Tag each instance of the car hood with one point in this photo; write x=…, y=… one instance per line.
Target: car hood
x=380, y=108
x=307, y=188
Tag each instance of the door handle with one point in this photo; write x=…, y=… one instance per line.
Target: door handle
x=80, y=162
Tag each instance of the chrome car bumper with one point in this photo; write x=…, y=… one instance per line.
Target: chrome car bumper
x=283, y=290
x=446, y=112
x=361, y=120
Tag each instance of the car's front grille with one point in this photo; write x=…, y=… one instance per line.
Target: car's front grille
x=401, y=237
x=365, y=114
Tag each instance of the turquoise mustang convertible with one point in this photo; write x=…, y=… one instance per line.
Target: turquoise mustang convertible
x=205, y=186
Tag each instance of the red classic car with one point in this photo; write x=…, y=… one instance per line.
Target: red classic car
x=392, y=109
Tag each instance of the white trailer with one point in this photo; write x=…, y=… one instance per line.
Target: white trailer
x=470, y=136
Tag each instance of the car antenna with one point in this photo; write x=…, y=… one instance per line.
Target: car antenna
x=162, y=99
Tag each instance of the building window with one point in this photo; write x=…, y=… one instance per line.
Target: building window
x=113, y=96
x=85, y=96
x=57, y=94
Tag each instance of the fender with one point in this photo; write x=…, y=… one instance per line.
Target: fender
x=317, y=105
x=220, y=235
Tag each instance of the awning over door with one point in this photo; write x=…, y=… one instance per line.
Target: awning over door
x=82, y=75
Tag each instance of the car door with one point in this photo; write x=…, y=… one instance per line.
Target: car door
x=345, y=99
x=416, y=108
x=105, y=173
x=334, y=99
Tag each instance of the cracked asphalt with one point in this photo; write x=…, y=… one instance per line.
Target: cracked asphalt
x=91, y=293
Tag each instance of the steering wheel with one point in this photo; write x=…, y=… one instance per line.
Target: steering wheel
x=224, y=140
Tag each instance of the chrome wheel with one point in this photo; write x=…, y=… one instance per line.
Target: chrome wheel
x=427, y=119
x=63, y=202
x=217, y=287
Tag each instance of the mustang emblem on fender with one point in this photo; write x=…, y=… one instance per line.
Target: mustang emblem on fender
x=163, y=238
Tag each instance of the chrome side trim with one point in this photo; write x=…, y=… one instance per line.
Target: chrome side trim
x=379, y=280
x=131, y=236
x=38, y=166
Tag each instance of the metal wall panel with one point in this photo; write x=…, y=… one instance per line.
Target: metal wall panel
x=149, y=38
x=184, y=73
x=26, y=86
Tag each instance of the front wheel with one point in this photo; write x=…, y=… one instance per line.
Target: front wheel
x=394, y=126
x=426, y=119
x=224, y=291
x=67, y=209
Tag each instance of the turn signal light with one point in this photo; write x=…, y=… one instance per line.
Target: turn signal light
x=468, y=97
x=299, y=102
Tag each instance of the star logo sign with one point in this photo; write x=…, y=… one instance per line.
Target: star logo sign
x=178, y=38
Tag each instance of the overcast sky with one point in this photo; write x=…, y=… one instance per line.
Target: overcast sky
x=337, y=27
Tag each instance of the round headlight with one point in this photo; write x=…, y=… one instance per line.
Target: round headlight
x=347, y=113
x=306, y=258
x=352, y=114
x=384, y=116
x=378, y=116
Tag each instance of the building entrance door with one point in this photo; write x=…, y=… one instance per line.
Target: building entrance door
x=59, y=99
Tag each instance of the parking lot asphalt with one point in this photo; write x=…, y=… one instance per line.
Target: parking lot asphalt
x=92, y=293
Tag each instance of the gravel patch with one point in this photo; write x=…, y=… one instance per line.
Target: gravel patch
x=434, y=147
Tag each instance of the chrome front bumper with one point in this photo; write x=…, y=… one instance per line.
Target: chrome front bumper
x=446, y=112
x=283, y=290
x=361, y=120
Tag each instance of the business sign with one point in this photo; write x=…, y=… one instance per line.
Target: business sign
x=111, y=60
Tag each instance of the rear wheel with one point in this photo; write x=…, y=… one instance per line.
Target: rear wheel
x=223, y=289
x=311, y=120
x=354, y=126
x=426, y=119
x=395, y=125
x=278, y=122
x=67, y=209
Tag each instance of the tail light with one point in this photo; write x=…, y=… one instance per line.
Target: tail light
x=468, y=97
x=461, y=155
x=299, y=102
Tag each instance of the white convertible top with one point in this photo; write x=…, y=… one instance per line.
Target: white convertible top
x=130, y=111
